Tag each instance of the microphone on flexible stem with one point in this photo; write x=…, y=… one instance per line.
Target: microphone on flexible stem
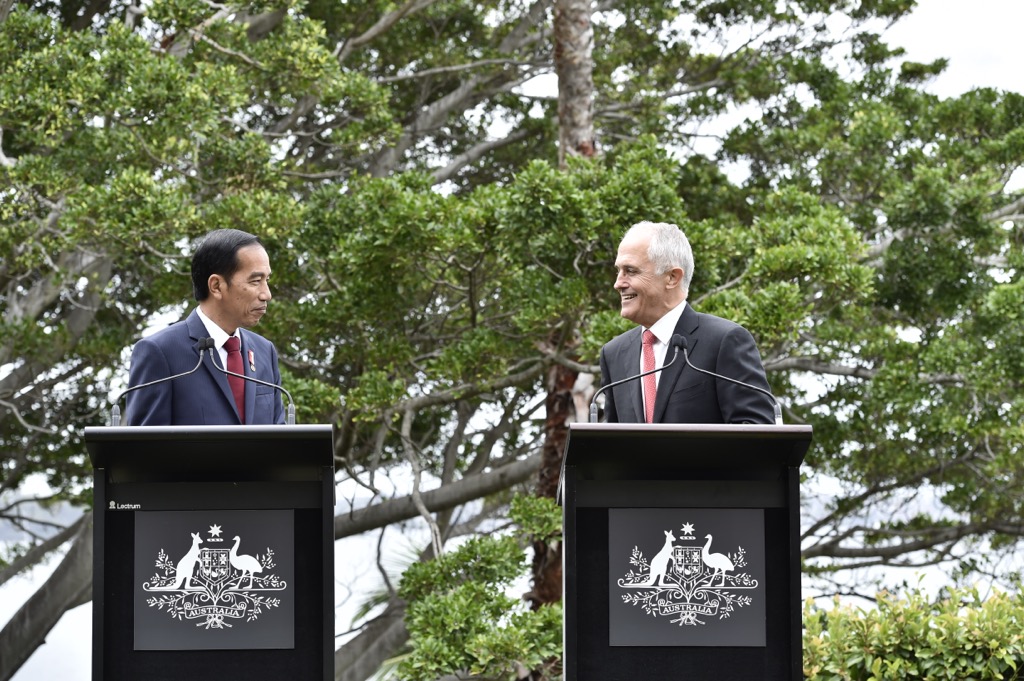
x=686, y=358
x=289, y=414
x=115, y=411
x=675, y=343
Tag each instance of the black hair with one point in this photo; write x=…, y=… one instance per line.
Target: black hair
x=218, y=254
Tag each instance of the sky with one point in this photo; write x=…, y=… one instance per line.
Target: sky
x=980, y=39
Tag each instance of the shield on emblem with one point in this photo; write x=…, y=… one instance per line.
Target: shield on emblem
x=686, y=561
x=213, y=564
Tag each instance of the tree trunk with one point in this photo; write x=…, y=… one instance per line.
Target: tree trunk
x=574, y=65
x=574, y=42
x=561, y=410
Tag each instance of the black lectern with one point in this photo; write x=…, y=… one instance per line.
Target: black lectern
x=682, y=552
x=213, y=552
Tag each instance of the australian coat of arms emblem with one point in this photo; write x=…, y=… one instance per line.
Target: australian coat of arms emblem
x=212, y=585
x=689, y=581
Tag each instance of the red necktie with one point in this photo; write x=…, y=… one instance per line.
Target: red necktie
x=234, y=348
x=650, y=384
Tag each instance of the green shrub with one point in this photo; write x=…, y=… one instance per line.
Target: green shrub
x=461, y=617
x=962, y=637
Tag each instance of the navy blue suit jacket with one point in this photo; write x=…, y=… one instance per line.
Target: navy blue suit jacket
x=685, y=395
x=203, y=397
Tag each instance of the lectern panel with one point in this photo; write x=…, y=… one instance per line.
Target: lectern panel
x=214, y=580
x=681, y=556
x=303, y=661
x=213, y=553
x=604, y=662
x=686, y=577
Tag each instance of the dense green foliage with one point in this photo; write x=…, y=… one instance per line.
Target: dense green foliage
x=431, y=264
x=960, y=636
x=460, y=615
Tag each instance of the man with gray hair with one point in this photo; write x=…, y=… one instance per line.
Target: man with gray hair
x=655, y=266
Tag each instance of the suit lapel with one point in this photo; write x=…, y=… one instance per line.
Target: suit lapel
x=629, y=360
x=686, y=327
x=197, y=330
x=250, y=388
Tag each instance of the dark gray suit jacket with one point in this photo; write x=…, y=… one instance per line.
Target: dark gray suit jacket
x=685, y=395
x=204, y=397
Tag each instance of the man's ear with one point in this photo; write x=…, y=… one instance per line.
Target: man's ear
x=675, y=277
x=216, y=285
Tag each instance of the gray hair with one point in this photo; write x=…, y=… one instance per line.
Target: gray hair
x=669, y=248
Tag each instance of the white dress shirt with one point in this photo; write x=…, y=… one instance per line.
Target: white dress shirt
x=662, y=330
x=220, y=337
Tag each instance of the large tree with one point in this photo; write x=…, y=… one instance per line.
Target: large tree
x=874, y=248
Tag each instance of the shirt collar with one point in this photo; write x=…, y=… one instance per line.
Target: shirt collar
x=666, y=326
x=218, y=334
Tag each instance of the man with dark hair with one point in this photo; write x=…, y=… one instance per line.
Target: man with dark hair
x=230, y=273
x=655, y=266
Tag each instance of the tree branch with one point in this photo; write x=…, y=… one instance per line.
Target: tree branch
x=360, y=658
x=475, y=154
x=457, y=68
x=342, y=51
x=39, y=552
x=815, y=366
x=442, y=498
x=927, y=538
x=69, y=585
x=460, y=392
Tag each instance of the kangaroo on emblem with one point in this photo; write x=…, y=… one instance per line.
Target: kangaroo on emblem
x=186, y=566
x=661, y=561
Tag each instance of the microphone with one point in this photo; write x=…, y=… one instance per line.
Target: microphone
x=115, y=412
x=289, y=415
x=676, y=342
x=686, y=358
